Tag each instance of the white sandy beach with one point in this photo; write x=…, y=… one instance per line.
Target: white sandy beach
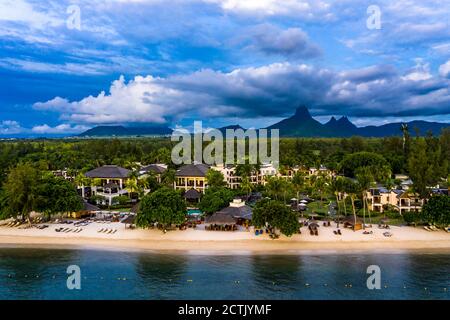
x=201, y=241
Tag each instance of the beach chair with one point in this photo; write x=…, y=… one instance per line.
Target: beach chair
x=316, y=232
x=101, y=230
x=115, y=230
x=339, y=232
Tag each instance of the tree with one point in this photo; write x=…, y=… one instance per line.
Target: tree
x=352, y=162
x=215, y=178
x=437, y=210
x=351, y=188
x=246, y=186
x=55, y=195
x=365, y=179
x=298, y=183
x=337, y=187
x=215, y=198
x=164, y=206
x=275, y=214
x=275, y=188
x=132, y=186
x=121, y=200
x=20, y=191
x=418, y=167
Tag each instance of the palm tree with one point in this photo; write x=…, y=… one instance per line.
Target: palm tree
x=274, y=187
x=365, y=179
x=298, y=183
x=246, y=186
x=132, y=186
x=351, y=189
x=337, y=186
x=81, y=181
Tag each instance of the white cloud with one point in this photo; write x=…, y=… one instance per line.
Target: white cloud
x=444, y=69
x=59, y=129
x=10, y=127
x=272, y=90
x=421, y=71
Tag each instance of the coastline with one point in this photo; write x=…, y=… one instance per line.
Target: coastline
x=200, y=242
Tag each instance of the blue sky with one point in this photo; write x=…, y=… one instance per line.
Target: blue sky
x=251, y=62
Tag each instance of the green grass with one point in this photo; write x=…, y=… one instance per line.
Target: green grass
x=318, y=207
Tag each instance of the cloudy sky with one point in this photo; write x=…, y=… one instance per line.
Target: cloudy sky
x=66, y=66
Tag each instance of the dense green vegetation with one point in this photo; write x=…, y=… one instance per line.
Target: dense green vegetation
x=164, y=206
x=27, y=185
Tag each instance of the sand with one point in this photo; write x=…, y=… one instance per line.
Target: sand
x=200, y=241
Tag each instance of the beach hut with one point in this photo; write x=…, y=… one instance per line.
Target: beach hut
x=220, y=221
x=192, y=195
x=349, y=222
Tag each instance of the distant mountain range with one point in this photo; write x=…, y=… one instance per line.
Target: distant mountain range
x=109, y=131
x=301, y=124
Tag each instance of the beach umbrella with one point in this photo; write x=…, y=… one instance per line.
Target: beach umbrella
x=313, y=225
x=304, y=201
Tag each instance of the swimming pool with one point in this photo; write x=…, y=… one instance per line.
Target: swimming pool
x=194, y=212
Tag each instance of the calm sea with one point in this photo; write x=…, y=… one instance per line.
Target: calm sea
x=41, y=274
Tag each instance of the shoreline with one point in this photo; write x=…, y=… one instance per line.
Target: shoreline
x=201, y=242
x=230, y=247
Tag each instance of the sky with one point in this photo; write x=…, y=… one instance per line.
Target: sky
x=66, y=66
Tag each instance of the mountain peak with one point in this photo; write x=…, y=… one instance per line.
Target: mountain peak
x=331, y=121
x=302, y=113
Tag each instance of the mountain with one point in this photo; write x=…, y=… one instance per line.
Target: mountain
x=232, y=127
x=108, y=131
x=302, y=124
x=340, y=128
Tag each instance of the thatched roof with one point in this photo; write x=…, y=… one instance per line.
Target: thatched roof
x=351, y=220
x=244, y=212
x=192, y=194
x=220, y=218
x=109, y=171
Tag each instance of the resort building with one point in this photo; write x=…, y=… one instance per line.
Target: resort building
x=237, y=213
x=322, y=170
x=191, y=176
x=156, y=169
x=229, y=175
x=380, y=198
x=108, y=182
x=409, y=201
x=266, y=171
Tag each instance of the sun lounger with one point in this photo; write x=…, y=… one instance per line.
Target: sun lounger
x=335, y=232
x=339, y=232
x=115, y=230
x=101, y=230
x=426, y=228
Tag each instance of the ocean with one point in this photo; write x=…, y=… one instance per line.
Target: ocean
x=42, y=274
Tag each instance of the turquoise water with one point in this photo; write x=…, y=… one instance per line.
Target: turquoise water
x=194, y=212
x=41, y=274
